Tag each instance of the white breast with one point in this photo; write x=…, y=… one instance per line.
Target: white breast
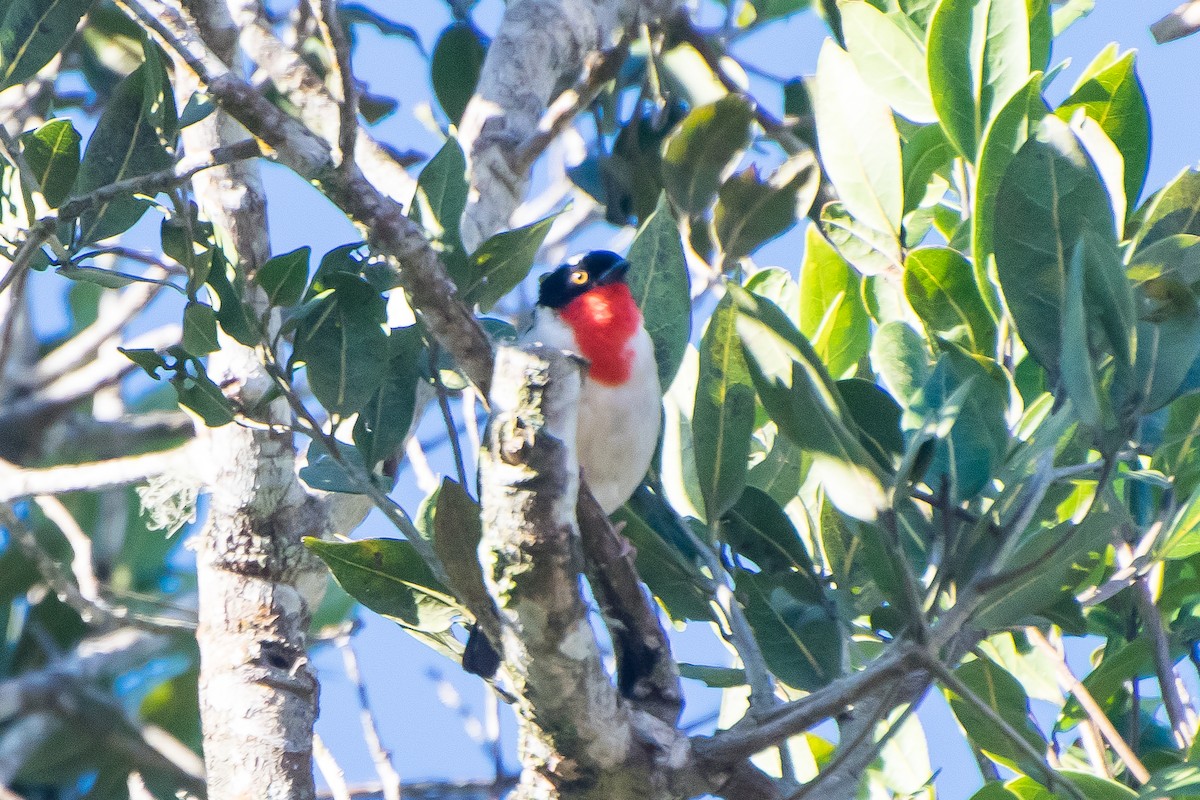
x=618, y=425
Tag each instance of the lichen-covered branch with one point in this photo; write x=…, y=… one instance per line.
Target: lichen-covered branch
x=541, y=45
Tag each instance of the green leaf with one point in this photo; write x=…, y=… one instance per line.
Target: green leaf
x=978, y=58
x=1078, y=371
x=1182, y=538
x=1179, y=453
x=344, y=473
x=702, y=148
x=832, y=314
x=872, y=252
x=383, y=424
x=1002, y=693
x=940, y=286
x=340, y=343
x=1174, y=209
x=108, y=278
x=1041, y=35
x=439, y=203
x=1175, y=780
x=149, y=360
x=235, y=317
x=757, y=528
x=671, y=576
x=124, y=144
x=801, y=398
x=52, y=152
x=713, y=677
x=751, y=212
x=661, y=287
x=926, y=154
x=455, y=66
x=800, y=638
x=1051, y=194
x=1046, y=568
x=723, y=415
x=198, y=393
x=889, y=60
x=200, y=329
x=1114, y=98
x=877, y=416
x=33, y=33
x=503, y=261
x=389, y=577
x=860, y=148
x=284, y=277
x=901, y=360
x=1106, y=682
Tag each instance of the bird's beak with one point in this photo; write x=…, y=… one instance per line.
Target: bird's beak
x=614, y=273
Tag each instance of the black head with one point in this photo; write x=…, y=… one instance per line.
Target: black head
x=569, y=281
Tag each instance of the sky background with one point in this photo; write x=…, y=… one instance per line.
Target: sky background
x=411, y=687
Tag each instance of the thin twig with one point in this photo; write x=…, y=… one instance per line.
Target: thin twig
x=951, y=681
x=18, y=482
x=81, y=545
x=380, y=757
x=1183, y=21
x=447, y=415
x=331, y=771
x=335, y=38
x=92, y=611
x=1164, y=667
x=1068, y=681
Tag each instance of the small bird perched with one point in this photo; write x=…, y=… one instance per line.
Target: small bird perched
x=586, y=307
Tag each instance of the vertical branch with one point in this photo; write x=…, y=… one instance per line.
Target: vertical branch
x=574, y=726
x=258, y=692
x=1181, y=726
x=389, y=779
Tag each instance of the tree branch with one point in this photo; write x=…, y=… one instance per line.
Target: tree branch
x=1164, y=666
x=20, y=482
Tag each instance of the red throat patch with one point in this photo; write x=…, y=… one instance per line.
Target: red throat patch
x=604, y=320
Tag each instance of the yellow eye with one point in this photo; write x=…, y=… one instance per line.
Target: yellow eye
x=579, y=277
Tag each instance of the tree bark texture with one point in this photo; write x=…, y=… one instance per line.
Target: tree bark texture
x=539, y=50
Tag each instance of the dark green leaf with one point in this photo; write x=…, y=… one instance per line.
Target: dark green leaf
x=871, y=251
x=455, y=66
x=671, y=576
x=1078, y=371
x=800, y=638
x=723, y=416
x=1179, y=453
x=751, y=212
x=1002, y=693
x=343, y=473
x=660, y=285
x=124, y=145
x=1175, y=780
x=52, y=152
x=1041, y=34
x=389, y=577
x=713, y=677
x=889, y=60
x=1013, y=125
x=860, y=148
x=440, y=201
x=200, y=329
x=33, y=33
x=109, y=279
x=148, y=360
x=801, y=398
x=456, y=530
x=284, y=277
x=341, y=343
x=1047, y=566
x=757, y=528
x=940, y=286
x=1050, y=195
x=383, y=425
x=701, y=149
x=502, y=262
x=1113, y=97
x=978, y=58
x=1174, y=209
x=832, y=314
x=877, y=416
x=197, y=107
x=235, y=317
x=199, y=394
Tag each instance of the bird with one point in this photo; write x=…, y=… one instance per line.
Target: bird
x=586, y=307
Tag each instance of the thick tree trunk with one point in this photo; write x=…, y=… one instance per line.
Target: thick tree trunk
x=258, y=692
